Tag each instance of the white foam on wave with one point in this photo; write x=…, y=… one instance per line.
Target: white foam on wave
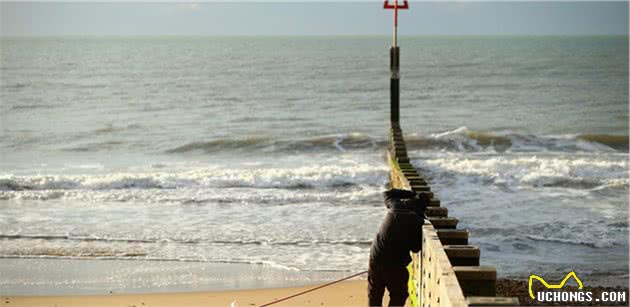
x=306, y=176
x=463, y=139
x=536, y=170
x=243, y=196
x=460, y=137
x=342, y=179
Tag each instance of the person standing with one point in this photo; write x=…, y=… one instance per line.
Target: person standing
x=399, y=234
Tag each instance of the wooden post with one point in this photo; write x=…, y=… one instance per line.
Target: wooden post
x=394, y=85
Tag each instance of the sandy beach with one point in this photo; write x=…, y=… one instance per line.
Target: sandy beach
x=349, y=293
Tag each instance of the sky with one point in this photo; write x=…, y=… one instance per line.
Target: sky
x=312, y=18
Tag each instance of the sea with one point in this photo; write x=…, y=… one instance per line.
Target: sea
x=270, y=151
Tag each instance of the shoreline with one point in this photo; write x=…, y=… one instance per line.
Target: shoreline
x=51, y=276
x=73, y=282
x=347, y=293
x=72, y=277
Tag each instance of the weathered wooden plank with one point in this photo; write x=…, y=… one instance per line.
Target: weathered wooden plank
x=477, y=280
x=420, y=188
x=436, y=211
x=402, y=159
x=444, y=222
x=492, y=301
x=453, y=236
x=463, y=255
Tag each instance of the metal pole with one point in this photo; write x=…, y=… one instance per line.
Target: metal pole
x=395, y=43
x=394, y=65
x=394, y=86
x=395, y=23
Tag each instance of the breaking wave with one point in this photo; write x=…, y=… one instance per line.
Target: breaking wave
x=352, y=141
x=458, y=140
x=298, y=178
x=566, y=171
x=464, y=139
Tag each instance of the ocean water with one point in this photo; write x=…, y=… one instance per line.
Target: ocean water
x=271, y=150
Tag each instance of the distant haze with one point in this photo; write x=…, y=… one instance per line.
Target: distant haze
x=339, y=18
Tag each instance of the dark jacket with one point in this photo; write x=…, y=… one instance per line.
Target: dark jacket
x=401, y=230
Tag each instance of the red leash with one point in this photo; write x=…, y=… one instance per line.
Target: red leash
x=313, y=289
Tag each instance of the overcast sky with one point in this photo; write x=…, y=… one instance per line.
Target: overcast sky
x=329, y=18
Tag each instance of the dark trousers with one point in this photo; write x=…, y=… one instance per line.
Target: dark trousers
x=395, y=279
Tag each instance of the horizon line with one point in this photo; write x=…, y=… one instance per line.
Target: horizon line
x=309, y=35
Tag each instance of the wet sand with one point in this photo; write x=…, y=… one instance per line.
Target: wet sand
x=349, y=293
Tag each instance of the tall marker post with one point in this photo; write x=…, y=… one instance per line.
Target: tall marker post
x=394, y=63
x=394, y=94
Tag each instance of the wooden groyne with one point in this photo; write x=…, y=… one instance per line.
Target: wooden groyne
x=446, y=272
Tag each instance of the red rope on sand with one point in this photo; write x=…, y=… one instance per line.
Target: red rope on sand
x=313, y=289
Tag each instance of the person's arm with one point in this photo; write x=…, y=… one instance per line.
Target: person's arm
x=394, y=203
x=416, y=236
x=401, y=204
x=389, y=201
